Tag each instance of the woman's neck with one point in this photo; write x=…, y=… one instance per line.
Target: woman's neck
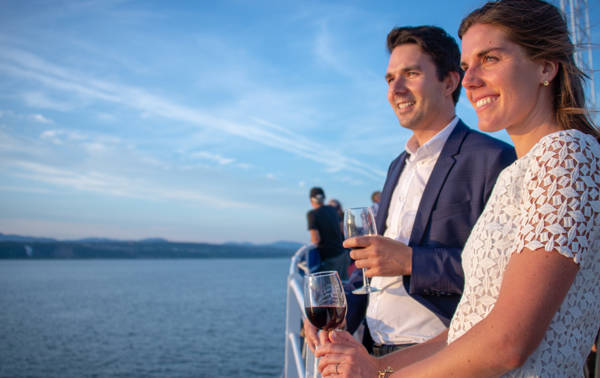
x=525, y=141
x=539, y=122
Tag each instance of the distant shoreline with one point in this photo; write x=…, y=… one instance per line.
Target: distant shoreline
x=36, y=250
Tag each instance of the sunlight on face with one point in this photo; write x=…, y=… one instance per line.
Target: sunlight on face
x=415, y=93
x=501, y=82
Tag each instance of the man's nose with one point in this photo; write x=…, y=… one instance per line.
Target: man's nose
x=399, y=85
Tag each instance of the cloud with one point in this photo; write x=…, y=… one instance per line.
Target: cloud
x=78, y=175
x=40, y=100
x=24, y=64
x=59, y=136
x=216, y=158
x=115, y=185
x=40, y=118
x=107, y=117
x=52, y=136
x=24, y=189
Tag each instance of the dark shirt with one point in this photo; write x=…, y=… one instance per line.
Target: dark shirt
x=326, y=220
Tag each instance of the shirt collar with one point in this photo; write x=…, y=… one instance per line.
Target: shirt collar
x=433, y=146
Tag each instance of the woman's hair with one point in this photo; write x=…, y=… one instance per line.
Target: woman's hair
x=541, y=30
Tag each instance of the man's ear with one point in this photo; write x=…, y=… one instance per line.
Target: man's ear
x=451, y=82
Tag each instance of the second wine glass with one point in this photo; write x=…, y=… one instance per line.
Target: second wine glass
x=324, y=300
x=325, y=307
x=359, y=221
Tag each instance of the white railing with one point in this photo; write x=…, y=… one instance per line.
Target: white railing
x=294, y=313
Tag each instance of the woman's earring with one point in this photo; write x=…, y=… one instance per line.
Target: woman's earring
x=546, y=83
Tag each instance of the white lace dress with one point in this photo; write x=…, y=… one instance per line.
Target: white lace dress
x=548, y=199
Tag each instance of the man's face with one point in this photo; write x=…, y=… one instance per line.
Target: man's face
x=414, y=90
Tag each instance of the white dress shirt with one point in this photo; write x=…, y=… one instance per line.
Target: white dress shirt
x=393, y=316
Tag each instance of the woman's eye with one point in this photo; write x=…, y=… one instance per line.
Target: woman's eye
x=489, y=59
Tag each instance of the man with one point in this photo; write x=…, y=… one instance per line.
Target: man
x=375, y=198
x=433, y=194
x=325, y=233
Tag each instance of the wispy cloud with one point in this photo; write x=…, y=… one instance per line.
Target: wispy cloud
x=24, y=64
x=216, y=158
x=41, y=119
x=41, y=100
x=60, y=136
x=121, y=186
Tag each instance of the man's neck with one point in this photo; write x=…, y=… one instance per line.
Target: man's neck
x=423, y=136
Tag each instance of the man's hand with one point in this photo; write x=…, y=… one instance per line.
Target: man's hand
x=345, y=357
x=380, y=256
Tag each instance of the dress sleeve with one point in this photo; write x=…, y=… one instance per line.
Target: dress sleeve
x=560, y=199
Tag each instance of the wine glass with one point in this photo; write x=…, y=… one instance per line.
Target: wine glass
x=324, y=300
x=324, y=305
x=359, y=221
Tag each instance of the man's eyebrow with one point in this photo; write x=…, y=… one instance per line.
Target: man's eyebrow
x=415, y=67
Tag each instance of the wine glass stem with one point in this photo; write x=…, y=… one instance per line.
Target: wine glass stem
x=365, y=280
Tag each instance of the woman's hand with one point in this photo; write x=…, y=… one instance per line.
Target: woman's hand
x=345, y=357
x=311, y=335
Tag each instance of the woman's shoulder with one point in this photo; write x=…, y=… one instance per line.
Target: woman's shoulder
x=567, y=144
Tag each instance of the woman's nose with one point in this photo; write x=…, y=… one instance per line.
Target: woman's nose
x=471, y=79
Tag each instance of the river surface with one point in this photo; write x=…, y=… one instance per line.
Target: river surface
x=142, y=318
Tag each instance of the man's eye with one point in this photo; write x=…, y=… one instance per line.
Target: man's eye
x=412, y=74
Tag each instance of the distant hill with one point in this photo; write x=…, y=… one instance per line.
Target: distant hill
x=278, y=244
x=4, y=237
x=23, y=247
x=286, y=245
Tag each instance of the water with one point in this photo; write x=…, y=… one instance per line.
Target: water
x=142, y=318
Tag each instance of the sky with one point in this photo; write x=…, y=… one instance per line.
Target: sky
x=198, y=121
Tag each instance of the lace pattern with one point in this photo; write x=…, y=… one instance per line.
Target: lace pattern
x=547, y=199
x=563, y=192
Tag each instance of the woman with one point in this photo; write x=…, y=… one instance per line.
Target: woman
x=531, y=303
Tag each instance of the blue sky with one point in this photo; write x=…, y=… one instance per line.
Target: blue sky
x=195, y=120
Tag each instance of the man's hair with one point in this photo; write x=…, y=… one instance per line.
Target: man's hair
x=436, y=43
x=375, y=194
x=317, y=195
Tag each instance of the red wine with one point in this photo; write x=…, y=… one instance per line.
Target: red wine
x=326, y=317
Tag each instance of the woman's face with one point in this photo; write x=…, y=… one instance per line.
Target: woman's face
x=502, y=83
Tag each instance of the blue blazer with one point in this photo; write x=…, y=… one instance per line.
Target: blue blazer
x=455, y=195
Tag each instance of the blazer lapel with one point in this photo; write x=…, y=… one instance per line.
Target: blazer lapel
x=388, y=190
x=436, y=181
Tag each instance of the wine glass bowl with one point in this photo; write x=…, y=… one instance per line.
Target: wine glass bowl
x=360, y=221
x=324, y=300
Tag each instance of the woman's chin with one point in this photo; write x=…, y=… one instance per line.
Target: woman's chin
x=488, y=127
